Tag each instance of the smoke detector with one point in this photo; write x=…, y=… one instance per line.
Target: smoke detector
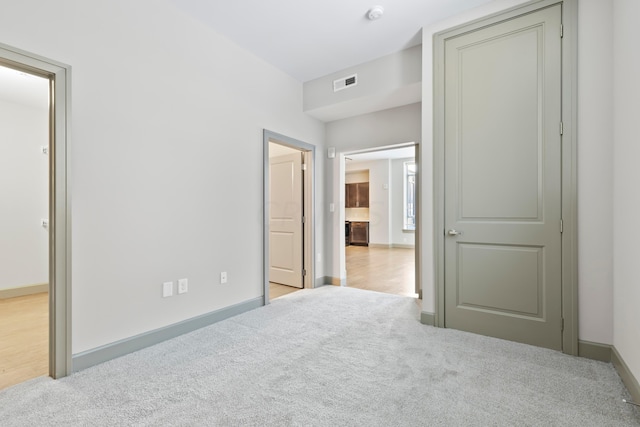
x=375, y=13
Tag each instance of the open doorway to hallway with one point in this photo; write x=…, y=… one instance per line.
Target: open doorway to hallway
x=24, y=234
x=289, y=219
x=380, y=220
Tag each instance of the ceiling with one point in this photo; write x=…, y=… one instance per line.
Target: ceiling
x=308, y=39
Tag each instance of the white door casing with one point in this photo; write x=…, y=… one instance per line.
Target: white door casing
x=285, y=220
x=502, y=115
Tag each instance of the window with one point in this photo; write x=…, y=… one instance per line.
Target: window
x=410, y=169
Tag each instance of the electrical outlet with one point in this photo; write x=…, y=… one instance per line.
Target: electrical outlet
x=223, y=277
x=167, y=289
x=183, y=286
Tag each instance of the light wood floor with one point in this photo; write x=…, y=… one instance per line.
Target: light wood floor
x=388, y=270
x=385, y=270
x=24, y=338
x=277, y=290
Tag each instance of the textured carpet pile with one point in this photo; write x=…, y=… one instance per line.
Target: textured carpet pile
x=329, y=357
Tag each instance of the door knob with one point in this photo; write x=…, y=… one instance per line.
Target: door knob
x=453, y=232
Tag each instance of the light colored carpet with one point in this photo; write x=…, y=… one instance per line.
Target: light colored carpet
x=329, y=357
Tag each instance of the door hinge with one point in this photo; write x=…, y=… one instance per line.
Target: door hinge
x=303, y=219
x=562, y=327
x=304, y=272
x=561, y=226
x=561, y=31
x=561, y=128
x=304, y=166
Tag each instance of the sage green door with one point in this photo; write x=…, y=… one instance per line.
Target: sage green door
x=503, y=180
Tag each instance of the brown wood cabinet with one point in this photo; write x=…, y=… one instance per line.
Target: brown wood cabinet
x=357, y=195
x=359, y=233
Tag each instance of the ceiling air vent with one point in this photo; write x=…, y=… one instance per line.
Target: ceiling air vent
x=345, y=82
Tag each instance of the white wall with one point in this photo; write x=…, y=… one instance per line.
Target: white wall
x=595, y=171
x=379, y=129
x=276, y=150
x=23, y=194
x=383, y=83
x=626, y=197
x=398, y=235
x=165, y=111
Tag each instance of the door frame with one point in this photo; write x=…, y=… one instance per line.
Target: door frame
x=309, y=229
x=59, y=76
x=569, y=158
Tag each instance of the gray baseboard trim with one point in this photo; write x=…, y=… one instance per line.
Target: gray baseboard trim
x=427, y=318
x=626, y=375
x=21, y=291
x=107, y=352
x=594, y=350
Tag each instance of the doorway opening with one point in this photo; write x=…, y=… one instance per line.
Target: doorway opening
x=379, y=252
x=288, y=216
x=39, y=278
x=24, y=281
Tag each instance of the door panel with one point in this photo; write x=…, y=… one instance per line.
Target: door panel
x=285, y=220
x=493, y=73
x=503, y=180
x=512, y=284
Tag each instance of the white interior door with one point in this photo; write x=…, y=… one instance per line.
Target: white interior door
x=503, y=180
x=285, y=220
